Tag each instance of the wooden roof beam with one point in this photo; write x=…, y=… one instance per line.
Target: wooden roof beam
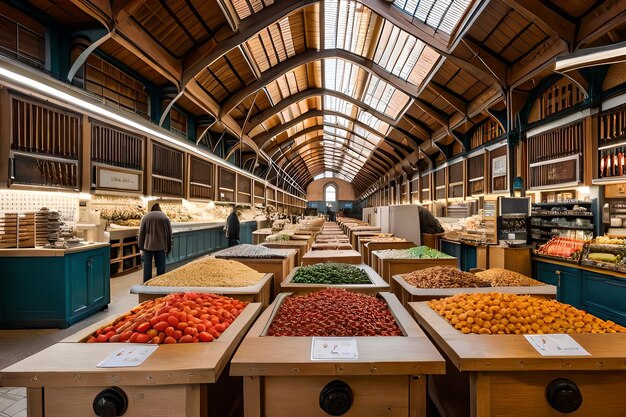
x=433, y=112
x=310, y=56
x=98, y=9
x=601, y=20
x=450, y=97
x=313, y=92
x=546, y=18
x=538, y=60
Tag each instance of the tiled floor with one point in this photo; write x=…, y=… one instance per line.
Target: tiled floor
x=16, y=345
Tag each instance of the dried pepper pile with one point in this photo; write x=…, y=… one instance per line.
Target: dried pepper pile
x=334, y=312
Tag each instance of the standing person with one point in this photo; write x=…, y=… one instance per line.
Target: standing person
x=155, y=241
x=329, y=214
x=232, y=228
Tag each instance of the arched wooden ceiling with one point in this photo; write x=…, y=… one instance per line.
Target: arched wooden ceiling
x=346, y=86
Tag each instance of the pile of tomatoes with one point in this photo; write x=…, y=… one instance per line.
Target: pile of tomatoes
x=334, y=312
x=175, y=318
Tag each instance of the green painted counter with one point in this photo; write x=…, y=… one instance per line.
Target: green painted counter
x=48, y=288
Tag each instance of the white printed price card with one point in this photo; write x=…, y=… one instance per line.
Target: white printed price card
x=128, y=356
x=556, y=345
x=324, y=348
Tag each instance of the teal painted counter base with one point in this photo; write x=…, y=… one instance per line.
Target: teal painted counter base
x=190, y=244
x=53, y=291
x=593, y=290
x=466, y=254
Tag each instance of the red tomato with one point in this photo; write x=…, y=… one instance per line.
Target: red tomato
x=124, y=336
x=143, y=327
x=220, y=327
x=177, y=334
x=182, y=325
x=161, y=326
x=115, y=338
x=172, y=321
x=201, y=328
x=169, y=340
x=141, y=338
x=205, y=337
x=152, y=332
x=186, y=339
x=169, y=331
x=191, y=331
x=92, y=339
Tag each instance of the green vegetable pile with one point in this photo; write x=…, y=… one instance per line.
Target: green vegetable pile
x=418, y=252
x=331, y=273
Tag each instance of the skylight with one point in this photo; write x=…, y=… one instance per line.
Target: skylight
x=442, y=15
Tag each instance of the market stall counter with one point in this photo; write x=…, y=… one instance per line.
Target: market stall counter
x=53, y=288
x=302, y=246
x=283, y=377
x=182, y=379
x=498, y=375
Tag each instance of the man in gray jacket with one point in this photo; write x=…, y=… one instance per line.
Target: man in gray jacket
x=155, y=241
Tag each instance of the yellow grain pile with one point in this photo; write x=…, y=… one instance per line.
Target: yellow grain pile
x=499, y=277
x=497, y=313
x=209, y=272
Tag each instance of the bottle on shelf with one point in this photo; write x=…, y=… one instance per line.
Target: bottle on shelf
x=602, y=161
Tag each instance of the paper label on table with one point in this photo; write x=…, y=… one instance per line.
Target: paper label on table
x=556, y=345
x=334, y=348
x=128, y=356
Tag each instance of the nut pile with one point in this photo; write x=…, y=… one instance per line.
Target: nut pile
x=443, y=277
x=333, y=312
x=331, y=273
x=208, y=272
x=498, y=277
x=497, y=313
x=246, y=251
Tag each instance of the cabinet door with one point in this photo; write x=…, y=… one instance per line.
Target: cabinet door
x=468, y=257
x=79, y=283
x=96, y=279
x=452, y=249
x=566, y=280
x=604, y=295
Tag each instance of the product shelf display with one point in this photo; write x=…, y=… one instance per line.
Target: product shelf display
x=385, y=372
x=570, y=219
x=484, y=371
x=64, y=380
x=358, y=278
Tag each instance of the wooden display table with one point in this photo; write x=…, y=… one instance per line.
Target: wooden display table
x=331, y=246
x=326, y=238
x=258, y=236
x=503, y=375
x=281, y=380
x=513, y=259
x=259, y=293
x=302, y=246
x=371, y=245
x=388, y=267
x=407, y=293
x=342, y=256
x=377, y=285
x=280, y=267
x=176, y=380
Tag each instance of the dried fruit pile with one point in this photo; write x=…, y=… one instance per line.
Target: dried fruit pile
x=443, y=277
x=208, y=272
x=331, y=273
x=498, y=277
x=333, y=312
x=496, y=313
x=175, y=318
x=246, y=251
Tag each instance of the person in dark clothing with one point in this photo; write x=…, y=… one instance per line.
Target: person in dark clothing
x=329, y=214
x=155, y=241
x=232, y=228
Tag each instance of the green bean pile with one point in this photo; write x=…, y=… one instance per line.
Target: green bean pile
x=331, y=273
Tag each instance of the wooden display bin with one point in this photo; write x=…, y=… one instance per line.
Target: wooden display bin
x=331, y=246
x=372, y=245
x=182, y=380
x=342, y=256
x=377, y=285
x=280, y=267
x=302, y=246
x=407, y=293
x=354, y=236
x=388, y=378
x=513, y=259
x=261, y=292
x=259, y=236
x=504, y=376
x=388, y=267
x=333, y=238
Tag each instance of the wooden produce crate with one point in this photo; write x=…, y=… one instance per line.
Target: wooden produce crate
x=261, y=292
x=302, y=246
x=258, y=236
x=281, y=379
x=183, y=380
x=377, y=284
x=341, y=256
x=332, y=238
x=388, y=267
x=331, y=246
x=279, y=267
x=407, y=293
x=504, y=376
x=372, y=245
x=355, y=235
